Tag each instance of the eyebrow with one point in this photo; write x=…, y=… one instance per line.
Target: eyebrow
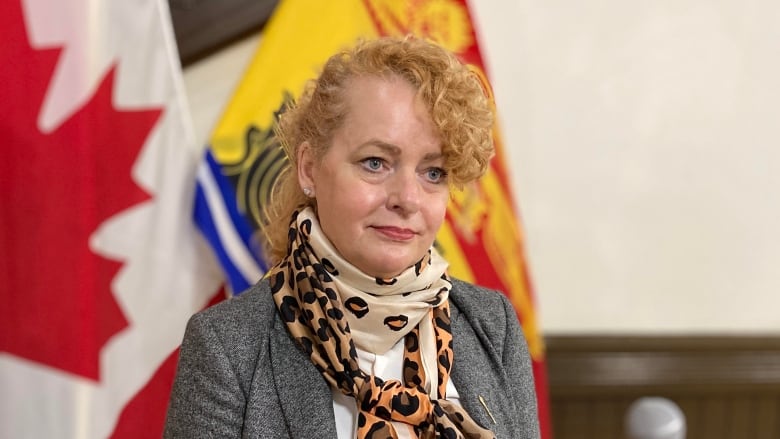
x=395, y=150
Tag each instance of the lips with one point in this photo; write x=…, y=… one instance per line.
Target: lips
x=396, y=233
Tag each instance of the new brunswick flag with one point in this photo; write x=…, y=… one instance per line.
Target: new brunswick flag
x=480, y=238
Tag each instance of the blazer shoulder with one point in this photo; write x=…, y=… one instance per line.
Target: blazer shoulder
x=253, y=308
x=488, y=312
x=241, y=324
x=476, y=302
x=217, y=364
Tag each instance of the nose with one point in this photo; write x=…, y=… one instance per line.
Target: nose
x=404, y=192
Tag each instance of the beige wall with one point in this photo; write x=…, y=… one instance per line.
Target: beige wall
x=644, y=144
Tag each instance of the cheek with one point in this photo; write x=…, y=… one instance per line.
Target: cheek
x=435, y=210
x=357, y=200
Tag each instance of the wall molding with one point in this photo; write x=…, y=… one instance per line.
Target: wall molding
x=727, y=386
x=627, y=364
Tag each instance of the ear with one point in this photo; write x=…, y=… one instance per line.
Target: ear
x=306, y=163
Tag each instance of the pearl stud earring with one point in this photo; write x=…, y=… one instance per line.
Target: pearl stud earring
x=308, y=192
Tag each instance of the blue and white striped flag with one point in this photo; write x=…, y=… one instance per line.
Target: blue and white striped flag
x=226, y=228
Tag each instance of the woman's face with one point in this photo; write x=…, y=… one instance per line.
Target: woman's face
x=381, y=189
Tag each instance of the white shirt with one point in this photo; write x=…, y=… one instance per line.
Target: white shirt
x=388, y=366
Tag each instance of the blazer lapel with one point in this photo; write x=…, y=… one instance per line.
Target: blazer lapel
x=305, y=398
x=469, y=380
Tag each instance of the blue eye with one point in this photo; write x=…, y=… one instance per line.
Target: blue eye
x=373, y=163
x=436, y=175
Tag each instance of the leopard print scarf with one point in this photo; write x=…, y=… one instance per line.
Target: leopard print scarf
x=319, y=308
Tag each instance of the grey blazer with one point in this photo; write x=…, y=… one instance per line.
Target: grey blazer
x=241, y=375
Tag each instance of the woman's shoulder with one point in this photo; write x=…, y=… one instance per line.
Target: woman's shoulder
x=476, y=300
x=484, y=308
x=250, y=314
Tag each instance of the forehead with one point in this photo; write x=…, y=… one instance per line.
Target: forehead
x=369, y=88
x=387, y=108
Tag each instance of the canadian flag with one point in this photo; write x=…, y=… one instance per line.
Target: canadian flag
x=101, y=263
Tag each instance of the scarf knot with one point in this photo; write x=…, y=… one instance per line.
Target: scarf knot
x=392, y=401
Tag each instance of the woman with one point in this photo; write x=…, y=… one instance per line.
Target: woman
x=358, y=331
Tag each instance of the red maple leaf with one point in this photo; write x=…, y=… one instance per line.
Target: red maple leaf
x=56, y=306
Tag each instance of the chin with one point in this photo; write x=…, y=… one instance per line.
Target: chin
x=383, y=273
x=386, y=270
